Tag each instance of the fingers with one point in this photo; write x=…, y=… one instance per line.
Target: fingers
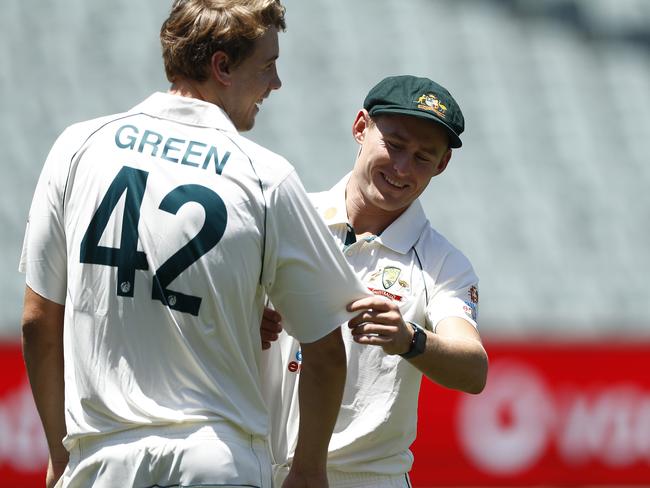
x=374, y=302
x=269, y=332
x=270, y=327
x=271, y=315
x=391, y=316
x=379, y=323
x=372, y=340
x=374, y=329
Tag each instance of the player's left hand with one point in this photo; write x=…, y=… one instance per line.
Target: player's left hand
x=380, y=323
x=270, y=327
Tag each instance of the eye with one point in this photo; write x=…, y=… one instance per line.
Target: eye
x=393, y=145
x=424, y=158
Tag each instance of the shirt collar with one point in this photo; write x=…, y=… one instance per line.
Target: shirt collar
x=404, y=232
x=332, y=208
x=186, y=110
x=400, y=236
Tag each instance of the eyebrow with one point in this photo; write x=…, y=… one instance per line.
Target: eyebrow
x=428, y=150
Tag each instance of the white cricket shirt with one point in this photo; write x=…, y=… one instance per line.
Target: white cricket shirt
x=418, y=268
x=161, y=229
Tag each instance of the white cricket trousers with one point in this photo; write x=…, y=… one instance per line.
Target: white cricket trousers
x=214, y=455
x=339, y=479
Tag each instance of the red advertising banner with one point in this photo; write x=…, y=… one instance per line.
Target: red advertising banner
x=23, y=451
x=551, y=415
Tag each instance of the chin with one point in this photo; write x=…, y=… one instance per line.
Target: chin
x=246, y=126
x=388, y=204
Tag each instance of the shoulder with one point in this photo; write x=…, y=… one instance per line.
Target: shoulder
x=75, y=135
x=318, y=199
x=272, y=168
x=72, y=139
x=439, y=256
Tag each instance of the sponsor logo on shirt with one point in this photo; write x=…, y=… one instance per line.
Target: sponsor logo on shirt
x=471, y=306
x=384, y=293
x=295, y=365
x=473, y=294
x=470, y=310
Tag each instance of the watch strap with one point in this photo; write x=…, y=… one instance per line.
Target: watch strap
x=418, y=343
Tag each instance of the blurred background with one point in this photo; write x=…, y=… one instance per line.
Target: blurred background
x=547, y=197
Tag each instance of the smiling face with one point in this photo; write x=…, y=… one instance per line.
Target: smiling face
x=252, y=80
x=399, y=155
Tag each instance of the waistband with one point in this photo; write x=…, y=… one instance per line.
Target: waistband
x=204, y=431
x=340, y=478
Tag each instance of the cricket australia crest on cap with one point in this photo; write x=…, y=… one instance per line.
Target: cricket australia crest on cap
x=418, y=97
x=429, y=101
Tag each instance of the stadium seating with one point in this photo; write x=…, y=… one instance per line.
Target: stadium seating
x=548, y=196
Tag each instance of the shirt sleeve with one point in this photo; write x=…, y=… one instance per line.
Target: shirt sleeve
x=44, y=256
x=455, y=293
x=309, y=280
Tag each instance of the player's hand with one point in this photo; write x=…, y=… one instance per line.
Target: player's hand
x=270, y=327
x=55, y=470
x=380, y=323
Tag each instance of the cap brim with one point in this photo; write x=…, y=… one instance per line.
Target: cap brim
x=454, y=140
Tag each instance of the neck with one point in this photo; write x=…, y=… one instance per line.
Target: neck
x=192, y=89
x=364, y=217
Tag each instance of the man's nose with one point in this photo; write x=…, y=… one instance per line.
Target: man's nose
x=276, y=82
x=402, y=163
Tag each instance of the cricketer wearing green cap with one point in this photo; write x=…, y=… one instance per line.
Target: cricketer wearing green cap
x=424, y=312
x=418, y=97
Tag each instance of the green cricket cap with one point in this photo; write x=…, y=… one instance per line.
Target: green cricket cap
x=419, y=97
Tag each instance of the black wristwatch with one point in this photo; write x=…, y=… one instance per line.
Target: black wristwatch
x=418, y=343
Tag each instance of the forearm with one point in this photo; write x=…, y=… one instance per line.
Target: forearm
x=42, y=342
x=453, y=356
x=456, y=361
x=322, y=378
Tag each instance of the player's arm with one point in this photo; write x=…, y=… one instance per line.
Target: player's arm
x=42, y=342
x=453, y=356
x=320, y=390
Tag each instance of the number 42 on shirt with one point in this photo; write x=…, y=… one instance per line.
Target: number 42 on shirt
x=127, y=258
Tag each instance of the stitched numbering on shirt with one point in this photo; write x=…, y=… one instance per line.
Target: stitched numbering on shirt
x=127, y=258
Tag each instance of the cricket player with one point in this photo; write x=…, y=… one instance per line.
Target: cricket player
x=422, y=317
x=153, y=239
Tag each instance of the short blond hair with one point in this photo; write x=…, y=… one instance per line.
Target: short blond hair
x=196, y=29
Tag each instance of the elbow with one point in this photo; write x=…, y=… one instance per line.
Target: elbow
x=40, y=335
x=326, y=355
x=479, y=376
x=29, y=330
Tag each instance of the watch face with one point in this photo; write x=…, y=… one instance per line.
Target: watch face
x=418, y=343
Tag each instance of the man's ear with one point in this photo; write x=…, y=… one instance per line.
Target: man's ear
x=220, y=68
x=444, y=161
x=361, y=123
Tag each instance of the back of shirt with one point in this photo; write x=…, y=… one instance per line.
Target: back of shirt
x=161, y=230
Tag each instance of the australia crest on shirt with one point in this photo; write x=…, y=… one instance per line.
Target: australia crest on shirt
x=389, y=282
